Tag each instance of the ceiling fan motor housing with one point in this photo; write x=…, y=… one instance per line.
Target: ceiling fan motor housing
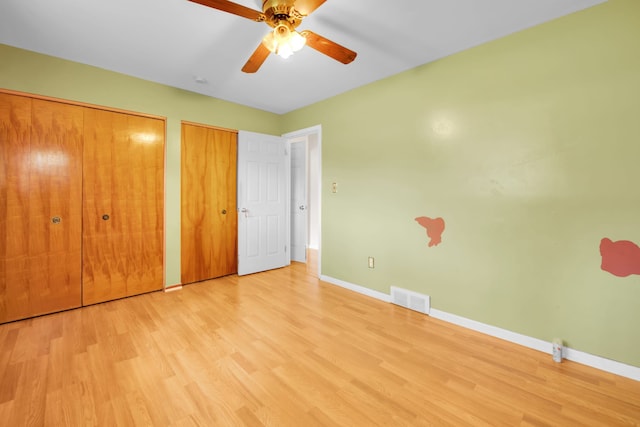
x=277, y=11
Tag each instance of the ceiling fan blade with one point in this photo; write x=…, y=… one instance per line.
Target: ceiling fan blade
x=234, y=8
x=329, y=48
x=305, y=7
x=257, y=59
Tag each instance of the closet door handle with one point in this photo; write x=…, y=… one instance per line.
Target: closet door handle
x=56, y=220
x=105, y=217
x=224, y=211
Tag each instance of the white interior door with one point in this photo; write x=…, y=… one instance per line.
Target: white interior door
x=299, y=202
x=263, y=202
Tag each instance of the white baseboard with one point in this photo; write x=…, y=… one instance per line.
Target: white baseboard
x=504, y=334
x=607, y=365
x=357, y=288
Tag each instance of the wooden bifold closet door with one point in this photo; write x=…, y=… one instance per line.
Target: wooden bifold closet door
x=123, y=205
x=81, y=205
x=208, y=231
x=40, y=206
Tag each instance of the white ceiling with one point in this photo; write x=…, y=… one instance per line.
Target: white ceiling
x=176, y=42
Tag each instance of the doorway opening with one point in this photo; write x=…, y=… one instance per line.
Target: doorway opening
x=306, y=185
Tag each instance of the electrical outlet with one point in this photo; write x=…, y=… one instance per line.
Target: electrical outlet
x=371, y=262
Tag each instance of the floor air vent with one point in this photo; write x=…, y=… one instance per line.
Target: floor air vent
x=411, y=300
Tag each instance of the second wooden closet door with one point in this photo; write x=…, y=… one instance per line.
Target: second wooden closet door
x=123, y=205
x=208, y=208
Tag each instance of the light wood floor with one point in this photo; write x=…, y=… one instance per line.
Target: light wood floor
x=283, y=349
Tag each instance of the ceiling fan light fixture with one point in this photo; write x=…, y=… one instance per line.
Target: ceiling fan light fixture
x=284, y=41
x=297, y=41
x=284, y=51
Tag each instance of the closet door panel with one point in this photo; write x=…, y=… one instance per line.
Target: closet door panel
x=195, y=243
x=208, y=203
x=55, y=207
x=15, y=128
x=146, y=204
x=103, y=266
x=123, y=205
x=41, y=207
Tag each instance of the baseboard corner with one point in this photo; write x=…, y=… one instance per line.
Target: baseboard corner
x=172, y=288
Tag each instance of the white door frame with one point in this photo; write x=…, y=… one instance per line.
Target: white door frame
x=314, y=131
x=299, y=199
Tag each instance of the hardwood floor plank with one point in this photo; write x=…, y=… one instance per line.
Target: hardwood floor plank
x=248, y=418
x=276, y=411
x=6, y=410
x=31, y=389
x=54, y=412
x=282, y=348
x=378, y=404
x=11, y=377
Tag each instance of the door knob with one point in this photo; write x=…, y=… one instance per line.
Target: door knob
x=56, y=220
x=224, y=211
x=302, y=207
x=105, y=217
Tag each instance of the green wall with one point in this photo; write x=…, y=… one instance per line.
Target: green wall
x=44, y=75
x=529, y=148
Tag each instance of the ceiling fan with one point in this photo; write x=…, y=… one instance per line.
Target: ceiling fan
x=283, y=16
